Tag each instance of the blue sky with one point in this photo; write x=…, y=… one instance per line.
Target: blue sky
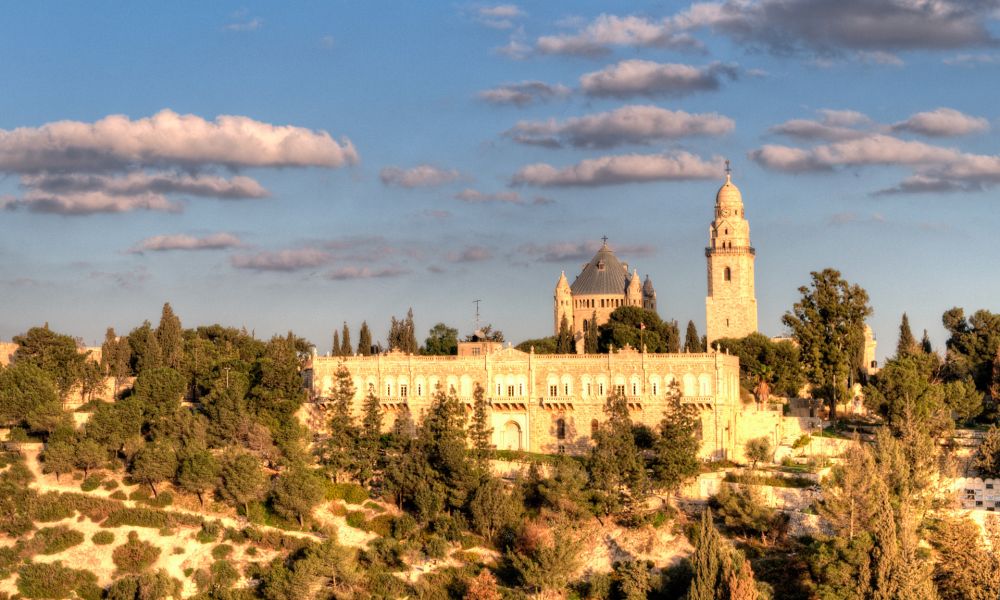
x=291, y=168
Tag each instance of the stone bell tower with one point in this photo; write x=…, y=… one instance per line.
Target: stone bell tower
x=731, y=304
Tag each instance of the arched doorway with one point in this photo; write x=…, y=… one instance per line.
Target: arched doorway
x=511, y=436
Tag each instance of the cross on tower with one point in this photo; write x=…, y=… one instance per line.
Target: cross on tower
x=728, y=170
x=605, y=239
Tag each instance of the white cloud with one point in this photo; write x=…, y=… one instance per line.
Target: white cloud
x=476, y=197
x=626, y=168
x=834, y=126
x=346, y=273
x=419, y=176
x=596, y=38
x=470, y=254
x=943, y=122
x=248, y=25
x=626, y=125
x=141, y=182
x=500, y=16
x=630, y=78
x=877, y=149
x=523, y=93
x=89, y=203
x=281, y=260
x=163, y=243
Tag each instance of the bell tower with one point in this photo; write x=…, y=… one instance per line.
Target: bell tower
x=731, y=304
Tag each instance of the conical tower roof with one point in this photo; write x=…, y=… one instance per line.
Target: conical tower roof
x=604, y=274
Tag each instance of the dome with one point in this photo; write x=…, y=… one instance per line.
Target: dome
x=728, y=193
x=603, y=275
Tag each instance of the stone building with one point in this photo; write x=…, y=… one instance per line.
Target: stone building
x=731, y=304
x=603, y=285
x=552, y=402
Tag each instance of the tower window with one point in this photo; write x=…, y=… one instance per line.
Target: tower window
x=561, y=429
x=727, y=274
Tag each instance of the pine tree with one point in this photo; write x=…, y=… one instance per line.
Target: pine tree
x=706, y=562
x=675, y=450
x=115, y=354
x=564, y=341
x=925, y=343
x=337, y=452
x=907, y=344
x=480, y=432
x=170, y=337
x=198, y=473
x=615, y=464
x=591, y=335
x=369, y=439
x=692, y=341
x=364, y=340
x=336, y=348
x=994, y=388
x=345, y=342
x=243, y=481
x=155, y=462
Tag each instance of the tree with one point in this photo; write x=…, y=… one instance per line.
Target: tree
x=135, y=555
x=369, y=445
x=159, y=392
x=758, y=450
x=925, y=343
x=674, y=457
x=987, y=460
x=480, y=432
x=145, y=348
x=545, y=345
x=763, y=360
x=483, y=587
x=615, y=465
x=442, y=442
x=337, y=348
x=441, y=341
x=965, y=568
x=908, y=385
x=847, y=504
x=89, y=455
x=639, y=328
x=364, y=340
x=402, y=334
x=972, y=346
x=59, y=457
x=169, y=336
x=243, y=480
x=743, y=512
x=337, y=452
x=28, y=396
x=692, y=341
x=564, y=341
x=115, y=355
x=828, y=323
x=591, y=332
x=296, y=492
x=145, y=586
x=485, y=334
x=720, y=572
x=53, y=353
x=632, y=580
x=198, y=473
x=492, y=507
x=345, y=341
x=153, y=463
x=907, y=344
x=548, y=560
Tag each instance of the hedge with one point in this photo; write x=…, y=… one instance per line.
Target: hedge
x=53, y=580
x=150, y=517
x=53, y=540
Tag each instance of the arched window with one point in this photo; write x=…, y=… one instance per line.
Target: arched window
x=561, y=429
x=727, y=274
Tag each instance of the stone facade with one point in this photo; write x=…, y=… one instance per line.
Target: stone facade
x=731, y=304
x=552, y=403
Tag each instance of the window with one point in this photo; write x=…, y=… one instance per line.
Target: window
x=566, y=389
x=588, y=389
x=635, y=389
x=727, y=274
x=561, y=429
x=475, y=351
x=404, y=390
x=510, y=391
x=498, y=389
x=388, y=389
x=520, y=389
x=620, y=390
x=600, y=389
x=562, y=449
x=553, y=390
x=420, y=389
x=654, y=389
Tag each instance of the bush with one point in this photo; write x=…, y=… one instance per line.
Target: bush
x=91, y=483
x=111, y=484
x=351, y=493
x=403, y=526
x=149, y=517
x=53, y=540
x=356, y=519
x=338, y=509
x=378, y=508
x=103, y=538
x=209, y=531
x=380, y=525
x=53, y=580
x=222, y=551
x=135, y=555
x=435, y=546
x=118, y=495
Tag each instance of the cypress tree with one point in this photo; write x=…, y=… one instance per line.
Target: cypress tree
x=170, y=337
x=907, y=343
x=369, y=439
x=480, y=432
x=706, y=562
x=564, y=341
x=410, y=343
x=336, y=348
x=925, y=343
x=345, y=342
x=692, y=341
x=364, y=340
x=590, y=335
x=337, y=453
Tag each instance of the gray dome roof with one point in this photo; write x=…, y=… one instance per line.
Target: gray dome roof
x=647, y=287
x=604, y=274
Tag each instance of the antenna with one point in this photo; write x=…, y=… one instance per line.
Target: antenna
x=476, y=302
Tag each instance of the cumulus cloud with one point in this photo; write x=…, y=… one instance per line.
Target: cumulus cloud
x=922, y=184
x=345, y=273
x=833, y=125
x=876, y=27
x=626, y=168
x=625, y=125
x=282, y=260
x=523, y=93
x=558, y=252
x=971, y=60
x=943, y=122
x=419, y=176
x=252, y=24
x=596, y=38
x=500, y=16
x=164, y=243
x=470, y=254
x=630, y=78
x=877, y=149
x=117, y=164
x=474, y=196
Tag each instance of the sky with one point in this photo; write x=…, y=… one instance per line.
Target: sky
x=292, y=167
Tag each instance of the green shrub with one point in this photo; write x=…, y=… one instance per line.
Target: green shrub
x=351, y=493
x=222, y=551
x=118, y=495
x=150, y=517
x=381, y=525
x=102, y=538
x=111, y=484
x=356, y=519
x=403, y=526
x=135, y=555
x=251, y=551
x=435, y=546
x=338, y=509
x=10, y=556
x=55, y=506
x=209, y=531
x=188, y=571
x=178, y=550
x=166, y=532
x=374, y=507
x=53, y=580
x=53, y=540
x=91, y=483
x=237, y=536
